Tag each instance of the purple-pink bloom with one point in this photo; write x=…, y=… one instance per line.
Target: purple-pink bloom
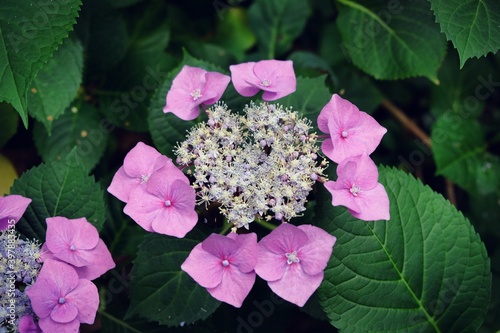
x=352, y=132
x=77, y=242
x=27, y=325
x=358, y=189
x=61, y=299
x=225, y=266
x=293, y=259
x=192, y=87
x=166, y=204
x=275, y=77
x=139, y=164
x=12, y=207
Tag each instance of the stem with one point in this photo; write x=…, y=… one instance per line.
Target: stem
x=227, y=226
x=450, y=192
x=407, y=122
x=265, y=224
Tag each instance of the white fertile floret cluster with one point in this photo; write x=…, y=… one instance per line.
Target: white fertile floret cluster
x=259, y=164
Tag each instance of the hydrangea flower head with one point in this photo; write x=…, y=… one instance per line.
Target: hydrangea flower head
x=275, y=77
x=139, y=164
x=192, y=87
x=166, y=204
x=292, y=259
x=77, y=242
x=61, y=299
x=12, y=207
x=225, y=266
x=357, y=188
x=352, y=132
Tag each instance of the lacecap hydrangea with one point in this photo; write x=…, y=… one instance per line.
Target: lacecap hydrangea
x=258, y=164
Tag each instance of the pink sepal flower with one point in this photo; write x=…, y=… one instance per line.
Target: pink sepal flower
x=77, y=242
x=192, y=87
x=293, y=259
x=358, y=189
x=352, y=132
x=27, y=325
x=166, y=204
x=12, y=207
x=61, y=299
x=275, y=77
x=225, y=266
x=139, y=164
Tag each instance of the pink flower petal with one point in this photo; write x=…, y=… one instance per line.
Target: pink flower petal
x=101, y=262
x=220, y=246
x=244, y=80
x=374, y=205
x=70, y=239
x=204, y=267
x=215, y=86
x=234, y=287
x=27, y=325
x=64, y=313
x=246, y=255
x=270, y=266
x=12, y=207
x=143, y=208
x=122, y=185
x=315, y=254
x=296, y=286
x=48, y=325
x=141, y=161
x=85, y=298
x=359, y=170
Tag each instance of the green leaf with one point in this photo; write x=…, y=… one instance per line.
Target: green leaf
x=392, y=40
x=8, y=123
x=167, y=129
x=309, y=98
x=56, y=84
x=460, y=153
x=473, y=26
x=60, y=188
x=160, y=290
x=276, y=24
x=79, y=127
x=30, y=32
x=425, y=270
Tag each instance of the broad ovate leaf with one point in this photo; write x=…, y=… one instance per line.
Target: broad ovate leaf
x=59, y=188
x=473, y=26
x=425, y=270
x=394, y=40
x=30, y=32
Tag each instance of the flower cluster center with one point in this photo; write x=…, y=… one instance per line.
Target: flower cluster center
x=262, y=163
x=196, y=94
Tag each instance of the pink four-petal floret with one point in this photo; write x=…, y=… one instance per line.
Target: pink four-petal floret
x=61, y=299
x=275, y=77
x=358, y=189
x=193, y=87
x=352, y=132
x=139, y=164
x=166, y=204
x=77, y=242
x=225, y=266
x=292, y=259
